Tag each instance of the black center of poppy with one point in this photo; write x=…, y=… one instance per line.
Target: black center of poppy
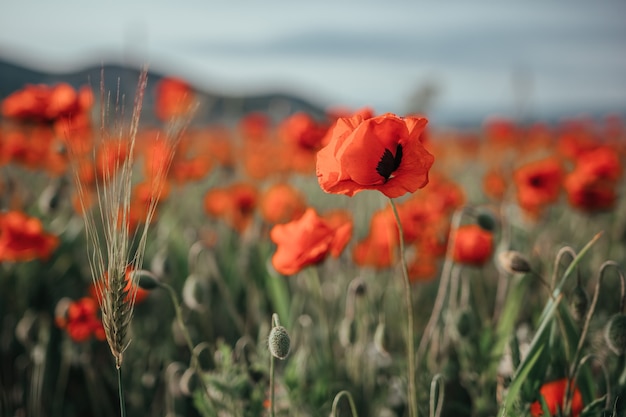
x=536, y=181
x=389, y=163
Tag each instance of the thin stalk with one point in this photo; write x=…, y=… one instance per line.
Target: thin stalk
x=120, y=391
x=409, y=306
x=275, y=323
x=272, y=402
x=443, y=286
x=195, y=362
x=437, y=395
x=346, y=394
x=583, y=334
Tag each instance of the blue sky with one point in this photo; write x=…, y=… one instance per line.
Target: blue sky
x=568, y=56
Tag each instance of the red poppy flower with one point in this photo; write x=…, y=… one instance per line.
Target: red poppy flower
x=472, y=245
x=538, y=184
x=44, y=103
x=282, y=203
x=494, y=185
x=22, y=238
x=341, y=222
x=304, y=242
x=81, y=320
x=378, y=249
x=302, y=130
x=255, y=126
x=592, y=186
x=554, y=393
x=174, y=98
x=381, y=153
x=235, y=204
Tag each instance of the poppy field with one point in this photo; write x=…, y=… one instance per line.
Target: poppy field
x=359, y=264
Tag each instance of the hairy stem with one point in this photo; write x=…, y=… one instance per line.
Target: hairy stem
x=409, y=306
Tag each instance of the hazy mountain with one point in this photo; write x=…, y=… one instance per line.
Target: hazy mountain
x=214, y=107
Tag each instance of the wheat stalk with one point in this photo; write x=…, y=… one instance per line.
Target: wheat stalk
x=113, y=248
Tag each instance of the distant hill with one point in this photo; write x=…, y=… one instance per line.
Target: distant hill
x=214, y=107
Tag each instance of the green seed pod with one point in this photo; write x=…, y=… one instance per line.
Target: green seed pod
x=615, y=334
x=279, y=342
x=514, y=262
x=579, y=303
x=487, y=220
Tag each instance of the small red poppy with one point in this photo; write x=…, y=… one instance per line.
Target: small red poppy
x=554, y=393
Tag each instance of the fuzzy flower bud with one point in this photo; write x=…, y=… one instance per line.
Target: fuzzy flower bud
x=514, y=262
x=279, y=342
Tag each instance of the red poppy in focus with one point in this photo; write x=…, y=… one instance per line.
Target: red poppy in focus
x=81, y=320
x=554, y=394
x=538, y=184
x=174, y=98
x=281, y=203
x=22, y=238
x=472, y=245
x=381, y=153
x=304, y=242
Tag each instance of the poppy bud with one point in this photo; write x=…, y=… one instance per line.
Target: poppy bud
x=579, y=303
x=486, y=220
x=514, y=262
x=279, y=342
x=615, y=334
x=147, y=281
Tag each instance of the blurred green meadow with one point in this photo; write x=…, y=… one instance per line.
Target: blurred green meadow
x=513, y=250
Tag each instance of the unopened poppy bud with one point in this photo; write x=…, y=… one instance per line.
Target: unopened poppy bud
x=579, y=303
x=358, y=286
x=486, y=220
x=279, y=342
x=615, y=334
x=514, y=262
x=147, y=281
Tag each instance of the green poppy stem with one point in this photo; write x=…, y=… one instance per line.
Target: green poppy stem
x=409, y=306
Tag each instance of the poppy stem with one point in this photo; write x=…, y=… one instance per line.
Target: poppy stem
x=346, y=394
x=272, y=387
x=195, y=361
x=409, y=306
